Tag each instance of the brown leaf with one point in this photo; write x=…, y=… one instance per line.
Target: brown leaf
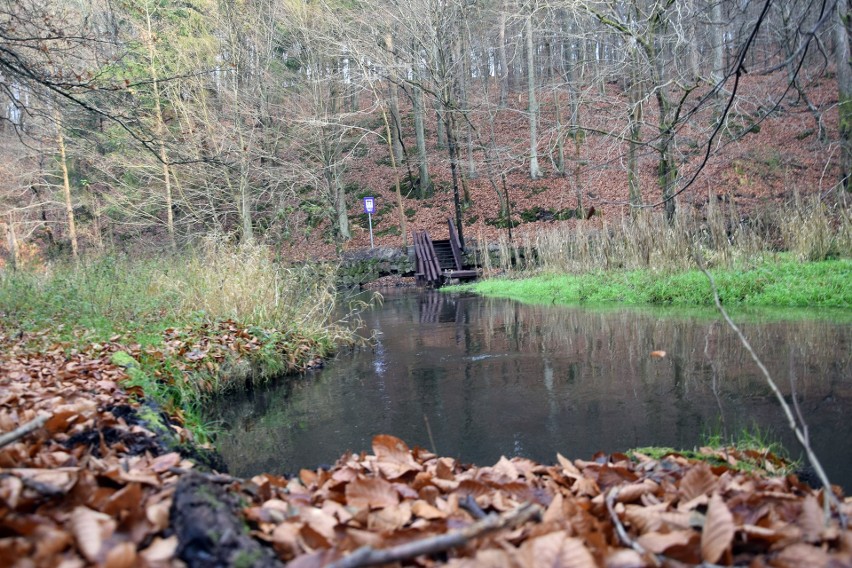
x=658, y=354
x=506, y=468
x=121, y=556
x=372, y=493
x=394, y=457
x=812, y=519
x=424, y=510
x=158, y=514
x=658, y=543
x=90, y=529
x=625, y=558
x=285, y=539
x=699, y=480
x=799, y=555
x=718, y=530
x=556, y=549
x=390, y=519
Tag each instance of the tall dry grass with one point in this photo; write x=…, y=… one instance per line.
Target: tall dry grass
x=244, y=283
x=811, y=231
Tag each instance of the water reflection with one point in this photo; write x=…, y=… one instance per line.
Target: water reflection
x=494, y=377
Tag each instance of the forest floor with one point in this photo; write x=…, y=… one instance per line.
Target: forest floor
x=104, y=478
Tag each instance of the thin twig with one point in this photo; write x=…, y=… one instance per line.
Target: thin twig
x=800, y=432
x=429, y=431
x=23, y=430
x=470, y=505
x=620, y=530
x=368, y=556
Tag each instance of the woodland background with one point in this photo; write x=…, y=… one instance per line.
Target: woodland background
x=154, y=124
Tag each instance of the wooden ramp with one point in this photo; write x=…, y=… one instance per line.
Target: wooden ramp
x=439, y=260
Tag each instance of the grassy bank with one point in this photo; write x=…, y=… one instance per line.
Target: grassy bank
x=784, y=283
x=183, y=327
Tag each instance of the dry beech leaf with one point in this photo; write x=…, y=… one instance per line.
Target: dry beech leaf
x=555, y=511
x=658, y=543
x=699, y=480
x=801, y=555
x=90, y=529
x=811, y=519
x=390, y=519
x=506, y=468
x=556, y=549
x=122, y=555
x=393, y=456
x=319, y=520
x=158, y=514
x=424, y=510
x=285, y=539
x=658, y=354
x=645, y=518
x=718, y=530
x=625, y=558
x=372, y=493
x=568, y=468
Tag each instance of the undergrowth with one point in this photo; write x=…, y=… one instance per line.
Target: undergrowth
x=187, y=326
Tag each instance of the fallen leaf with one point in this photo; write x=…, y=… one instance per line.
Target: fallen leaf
x=122, y=555
x=658, y=543
x=556, y=549
x=699, y=480
x=371, y=493
x=90, y=529
x=718, y=530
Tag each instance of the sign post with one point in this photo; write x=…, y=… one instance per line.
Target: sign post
x=369, y=207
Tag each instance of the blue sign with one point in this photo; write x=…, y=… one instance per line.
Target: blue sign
x=369, y=205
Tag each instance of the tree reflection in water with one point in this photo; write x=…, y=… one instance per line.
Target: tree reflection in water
x=494, y=377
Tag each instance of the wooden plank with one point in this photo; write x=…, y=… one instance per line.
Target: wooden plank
x=455, y=244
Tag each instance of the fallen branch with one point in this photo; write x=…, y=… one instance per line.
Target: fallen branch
x=23, y=430
x=800, y=432
x=368, y=556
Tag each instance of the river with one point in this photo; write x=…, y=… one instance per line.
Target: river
x=478, y=378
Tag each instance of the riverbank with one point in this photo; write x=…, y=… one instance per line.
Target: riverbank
x=95, y=473
x=782, y=283
x=176, y=329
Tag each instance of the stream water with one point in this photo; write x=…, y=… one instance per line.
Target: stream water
x=477, y=378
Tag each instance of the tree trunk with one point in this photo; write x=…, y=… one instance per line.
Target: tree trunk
x=12, y=243
x=451, y=142
x=161, y=133
x=393, y=104
x=66, y=186
x=718, y=39
x=440, y=131
x=425, y=183
x=533, y=106
x=635, y=96
x=843, y=30
x=503, y=72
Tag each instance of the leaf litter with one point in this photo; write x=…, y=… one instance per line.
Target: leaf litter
x=93, y=484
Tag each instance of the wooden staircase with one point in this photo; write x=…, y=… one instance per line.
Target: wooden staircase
x=440, y=260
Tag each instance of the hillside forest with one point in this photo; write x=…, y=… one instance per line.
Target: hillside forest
x=154, y=124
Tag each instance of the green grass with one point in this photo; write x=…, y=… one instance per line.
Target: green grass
x=751, y=450
x=783, y=284
x=278, y=318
